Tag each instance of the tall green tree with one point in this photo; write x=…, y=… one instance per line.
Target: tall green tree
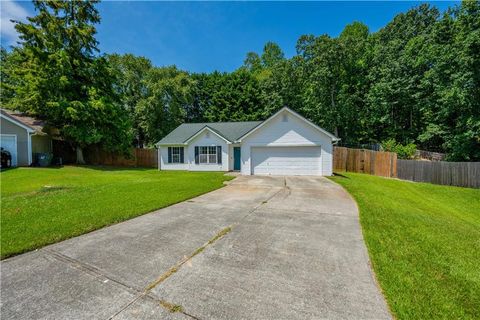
x=452, y=107
x=272, y=54
x=354, y=84
x=321, y=65
x=130, y=84
x=60, y=78
x=394, y=98
x=253, y=62
x=168, y=95
x=8, y=63
x=233, y=97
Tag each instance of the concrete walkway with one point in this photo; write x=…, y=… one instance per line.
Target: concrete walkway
x=260, y=248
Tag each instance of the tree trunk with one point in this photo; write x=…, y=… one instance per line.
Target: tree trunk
x=80, y=159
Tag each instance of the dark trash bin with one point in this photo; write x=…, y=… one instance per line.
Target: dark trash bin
x=43, y=159
x=5, y=159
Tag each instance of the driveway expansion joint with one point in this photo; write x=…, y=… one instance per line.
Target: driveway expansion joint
x=84, y=267
x=95, y=272
x=173, y=307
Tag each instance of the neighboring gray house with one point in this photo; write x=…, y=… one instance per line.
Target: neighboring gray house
x=23, y=136
x=284, y=144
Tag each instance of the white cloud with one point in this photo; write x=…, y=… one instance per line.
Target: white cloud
x=10, y=10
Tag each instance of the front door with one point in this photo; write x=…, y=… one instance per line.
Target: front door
x=236, y=158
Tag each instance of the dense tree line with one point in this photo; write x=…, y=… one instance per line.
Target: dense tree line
x=417, y=80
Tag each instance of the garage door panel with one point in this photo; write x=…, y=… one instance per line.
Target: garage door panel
x=9, y=143
x=286, y=160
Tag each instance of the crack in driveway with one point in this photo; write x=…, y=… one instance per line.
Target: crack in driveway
x=178, y=308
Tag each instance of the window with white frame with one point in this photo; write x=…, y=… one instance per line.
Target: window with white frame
x=207, y=154
x=175, y=154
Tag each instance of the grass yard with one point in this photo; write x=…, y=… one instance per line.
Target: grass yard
x=424, y=243
x=45, y=205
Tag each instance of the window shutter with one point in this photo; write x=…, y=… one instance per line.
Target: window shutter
x=182, y=155
x=169, y=154
x=197, y=161
x=219, y=154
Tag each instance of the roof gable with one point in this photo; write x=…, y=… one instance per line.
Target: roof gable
x=207, y=128
x=290, y=111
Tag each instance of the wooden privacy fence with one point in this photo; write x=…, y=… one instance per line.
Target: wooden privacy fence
x=139, y=158
x=460, y=174
x=365, y=161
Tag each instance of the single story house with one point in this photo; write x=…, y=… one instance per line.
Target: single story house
x=284, y=144
x=23, y=136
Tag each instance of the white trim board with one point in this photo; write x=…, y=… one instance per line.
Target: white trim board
x=29, y=147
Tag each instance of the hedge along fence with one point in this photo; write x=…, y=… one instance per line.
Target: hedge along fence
x=365, y=161
x=460, y=174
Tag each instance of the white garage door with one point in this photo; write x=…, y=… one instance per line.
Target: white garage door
x=286, y=160
x=9, y=143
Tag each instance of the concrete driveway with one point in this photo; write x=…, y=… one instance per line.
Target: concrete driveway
x=260, y=248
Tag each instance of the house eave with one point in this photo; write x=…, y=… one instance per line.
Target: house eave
x=158, y=144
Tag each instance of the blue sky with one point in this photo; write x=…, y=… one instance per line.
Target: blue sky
x=207, y=36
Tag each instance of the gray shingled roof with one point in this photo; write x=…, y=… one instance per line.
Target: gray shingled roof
x=229, y=130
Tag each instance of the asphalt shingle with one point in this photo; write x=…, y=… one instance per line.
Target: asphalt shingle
x=229, y=130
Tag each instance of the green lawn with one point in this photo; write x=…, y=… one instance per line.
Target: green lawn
x=424, y=243
x=45, y=205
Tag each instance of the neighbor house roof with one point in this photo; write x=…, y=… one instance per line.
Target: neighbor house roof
x=231, y=131
x=28, y=121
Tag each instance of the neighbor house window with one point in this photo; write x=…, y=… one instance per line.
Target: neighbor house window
x=208, y=154
x=175, y=154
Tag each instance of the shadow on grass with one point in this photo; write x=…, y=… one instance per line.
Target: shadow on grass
x=336, y=174
x=87, y=166
x=30, y=167
x=113, y=168
x=49, y=167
